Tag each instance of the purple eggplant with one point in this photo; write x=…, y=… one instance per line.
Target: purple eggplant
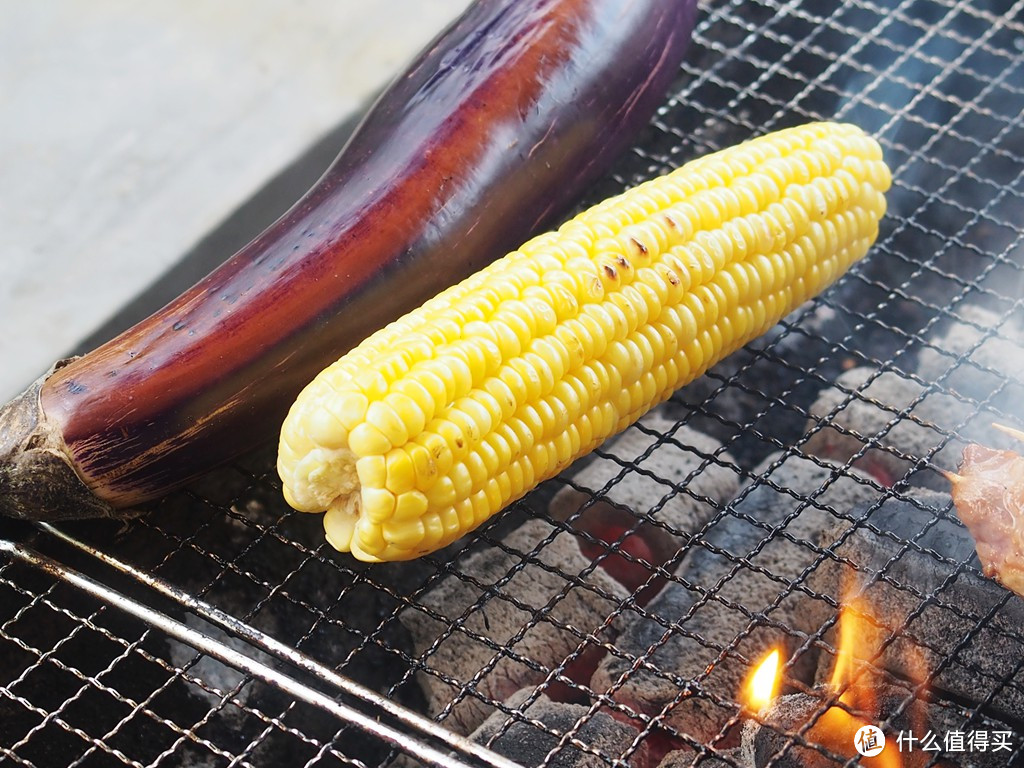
x=501, y=123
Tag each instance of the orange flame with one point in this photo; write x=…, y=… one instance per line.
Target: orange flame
x=838, y=731
x=839, y=727
x=763, y=682
x=852, y=658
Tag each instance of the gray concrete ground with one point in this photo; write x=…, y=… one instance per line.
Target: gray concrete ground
x=130, y=130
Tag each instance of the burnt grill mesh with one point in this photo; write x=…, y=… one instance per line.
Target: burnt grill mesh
x=221, y=630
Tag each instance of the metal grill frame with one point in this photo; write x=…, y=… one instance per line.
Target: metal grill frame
x=149, y=597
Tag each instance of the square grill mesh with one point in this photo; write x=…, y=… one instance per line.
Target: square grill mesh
x=867, y=389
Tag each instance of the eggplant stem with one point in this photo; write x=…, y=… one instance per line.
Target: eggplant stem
x=37, y=479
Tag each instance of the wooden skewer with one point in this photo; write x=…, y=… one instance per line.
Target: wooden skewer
x=953, y=477
x=1014, y=433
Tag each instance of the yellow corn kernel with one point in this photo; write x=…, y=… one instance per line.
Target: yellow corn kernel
x=326, y=430
x=367, y=440
x=378, y=504
x=400, y=474
x=436, y=422
x=410, y=506
x=404, y=533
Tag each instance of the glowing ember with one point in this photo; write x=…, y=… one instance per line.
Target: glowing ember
x=763, y=683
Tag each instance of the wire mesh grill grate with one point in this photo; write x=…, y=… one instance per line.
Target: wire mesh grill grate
x=726, y=522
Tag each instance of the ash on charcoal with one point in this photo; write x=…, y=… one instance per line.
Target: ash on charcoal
x=490, y=646
x=976, y=354
x=645, y=469
x=973, y=360
x=535, y=731
x=725, y=601
x=219, y=678
x=684, y=758
x=931, y=609
x=862, y=417
x=652, y=492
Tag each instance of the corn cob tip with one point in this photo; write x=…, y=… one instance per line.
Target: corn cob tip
x=441, y=419
x=340, y=523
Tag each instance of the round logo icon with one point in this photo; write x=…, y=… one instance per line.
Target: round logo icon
x=869, y=740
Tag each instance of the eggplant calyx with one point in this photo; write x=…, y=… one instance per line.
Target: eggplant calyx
x=37, y=478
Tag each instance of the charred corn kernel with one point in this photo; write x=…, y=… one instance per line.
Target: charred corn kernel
x=424, y=466
x=439, y=420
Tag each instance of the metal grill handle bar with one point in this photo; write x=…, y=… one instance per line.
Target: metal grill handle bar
x=227, y=655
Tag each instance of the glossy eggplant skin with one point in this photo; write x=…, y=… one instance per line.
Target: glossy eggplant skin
x=500, y=123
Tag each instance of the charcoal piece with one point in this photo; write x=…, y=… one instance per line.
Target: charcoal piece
x=643, y=477
x=976, y=355
x=684, y=758
x=780, y=737
x=726, y=599
x=528, y=738
x=862, y=420
x=644, y=518
x=739, y=389
x=218, y=678
x=486, y=667
x=930, y=611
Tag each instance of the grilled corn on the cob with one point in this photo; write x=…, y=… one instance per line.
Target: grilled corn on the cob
x=440, y=419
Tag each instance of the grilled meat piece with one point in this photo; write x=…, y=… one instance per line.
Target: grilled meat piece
x=989, y=497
